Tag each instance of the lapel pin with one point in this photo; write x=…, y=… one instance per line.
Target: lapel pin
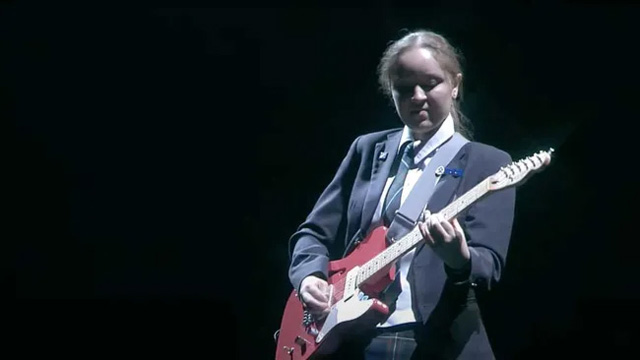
x=440, y=170
x=382, y=156
x=454, y=172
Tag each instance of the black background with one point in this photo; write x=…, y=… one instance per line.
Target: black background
x=158, y=160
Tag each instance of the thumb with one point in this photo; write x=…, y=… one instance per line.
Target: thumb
x=425, y=215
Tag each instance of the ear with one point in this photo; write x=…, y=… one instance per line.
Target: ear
x=456, y=86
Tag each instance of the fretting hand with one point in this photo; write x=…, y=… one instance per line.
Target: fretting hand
x=446, y=238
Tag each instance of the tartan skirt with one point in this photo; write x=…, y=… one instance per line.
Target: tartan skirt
x=391, y=344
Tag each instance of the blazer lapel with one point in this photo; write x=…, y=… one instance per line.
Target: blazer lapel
x=384, y=154
x=445, y=189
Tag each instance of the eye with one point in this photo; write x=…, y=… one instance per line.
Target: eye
x=403, y=89
x=431, y=83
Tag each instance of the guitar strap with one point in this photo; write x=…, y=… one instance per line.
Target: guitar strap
x=408, y=214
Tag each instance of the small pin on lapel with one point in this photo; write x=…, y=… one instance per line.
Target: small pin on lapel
x=440, y=170
x=453, y=172
x=382, y=156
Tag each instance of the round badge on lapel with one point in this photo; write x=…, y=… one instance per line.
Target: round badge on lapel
x=440, y=170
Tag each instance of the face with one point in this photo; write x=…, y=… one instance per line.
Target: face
x=422, y=93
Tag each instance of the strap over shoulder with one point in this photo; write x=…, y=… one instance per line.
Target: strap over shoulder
x=408, y=214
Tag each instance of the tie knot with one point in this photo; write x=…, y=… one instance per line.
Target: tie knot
x=408, y=154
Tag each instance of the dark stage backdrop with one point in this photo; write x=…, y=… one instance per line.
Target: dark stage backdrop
x=159, y=159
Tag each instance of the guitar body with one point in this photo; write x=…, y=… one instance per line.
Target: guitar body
x=302, y=338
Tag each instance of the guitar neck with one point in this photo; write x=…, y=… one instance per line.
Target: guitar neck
x=413, y=238
x=460, y=204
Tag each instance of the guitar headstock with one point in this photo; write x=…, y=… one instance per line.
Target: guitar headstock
x=516, y=172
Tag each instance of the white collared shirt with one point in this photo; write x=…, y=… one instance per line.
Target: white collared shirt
x=403, y=312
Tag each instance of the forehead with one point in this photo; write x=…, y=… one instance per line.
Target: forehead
x=416, y=62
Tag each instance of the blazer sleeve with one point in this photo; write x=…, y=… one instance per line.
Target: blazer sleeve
x=309, y=245
x=488, y=223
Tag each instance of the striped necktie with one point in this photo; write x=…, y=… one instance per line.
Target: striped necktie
x=394, y=194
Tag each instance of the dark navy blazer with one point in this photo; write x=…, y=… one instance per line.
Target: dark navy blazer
x=444, y=304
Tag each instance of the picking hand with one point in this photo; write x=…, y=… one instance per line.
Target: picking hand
x=314, y=293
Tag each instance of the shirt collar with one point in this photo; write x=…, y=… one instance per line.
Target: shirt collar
x=444, y=133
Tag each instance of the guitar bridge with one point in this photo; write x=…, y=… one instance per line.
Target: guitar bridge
x=307, y=318
x=309, y=323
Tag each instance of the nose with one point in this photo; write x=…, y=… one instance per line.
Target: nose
x=419, y=94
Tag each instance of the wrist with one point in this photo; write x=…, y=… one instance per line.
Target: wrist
x=459, y=274
x=459, y=264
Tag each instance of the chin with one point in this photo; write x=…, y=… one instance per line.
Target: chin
x=423, y=127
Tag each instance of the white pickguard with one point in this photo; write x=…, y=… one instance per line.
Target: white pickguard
x=344, y=311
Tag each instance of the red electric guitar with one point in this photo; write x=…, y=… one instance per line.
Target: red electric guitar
x=368, y=270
